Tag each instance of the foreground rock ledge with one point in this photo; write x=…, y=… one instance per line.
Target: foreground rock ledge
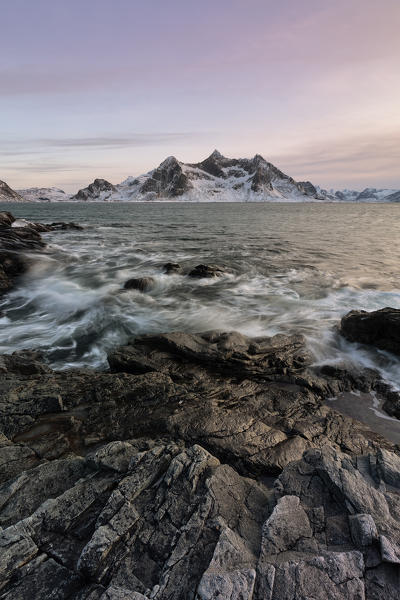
x=202, y=467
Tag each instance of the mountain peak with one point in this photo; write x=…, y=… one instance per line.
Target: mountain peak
x=216, y=155
x=170, y=161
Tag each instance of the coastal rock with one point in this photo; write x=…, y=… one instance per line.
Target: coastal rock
x=143, y=284
x=206, y=271
x=6, y=219
x=201, y=466
x=380, y=328
x=171, y=268
x=14, y=243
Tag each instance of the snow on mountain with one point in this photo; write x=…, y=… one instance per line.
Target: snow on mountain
x=99, y=191
x=50, y=194
x=374, y=195
x=9, y=195
x=216, y=178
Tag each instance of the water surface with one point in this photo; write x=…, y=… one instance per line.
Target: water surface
x=294, y=267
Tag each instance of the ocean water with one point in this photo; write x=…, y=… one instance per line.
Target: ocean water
x=292, y=268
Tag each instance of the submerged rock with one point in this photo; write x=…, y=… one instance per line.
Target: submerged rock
x=203, y=271
x=171, y=268
x=143, y=284
x=380, y=328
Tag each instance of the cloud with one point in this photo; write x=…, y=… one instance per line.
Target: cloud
x=352, y=158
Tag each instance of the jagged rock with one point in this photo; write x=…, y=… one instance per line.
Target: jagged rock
x=143, y=284
x=206, y=271
x=135, y=482
x=100, y=189
x=380, y=328
x=167, y=180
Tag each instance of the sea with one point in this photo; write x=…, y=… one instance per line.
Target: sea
x=289, y=268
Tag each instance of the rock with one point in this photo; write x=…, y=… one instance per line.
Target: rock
x=206, y=271
x=100, y=189
x=171, y=268
x=380, y=328
x=143, y=284
x=6, y=219
x=201, y=466
x=14, y=242
x=65, y=226
x=7, y=194
x=363, y=530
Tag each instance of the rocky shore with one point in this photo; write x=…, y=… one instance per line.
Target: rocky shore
x=199, y=466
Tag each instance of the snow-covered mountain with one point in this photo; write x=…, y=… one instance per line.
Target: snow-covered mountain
x=50, y=194
x=7, y=194
x=215, y=179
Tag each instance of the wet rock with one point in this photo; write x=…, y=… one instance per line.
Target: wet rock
x=206, y=271
x=143, y=284
x=171, y=268
x=380, y=328
x=6, y=219
x=14, y=243
x=202, y=466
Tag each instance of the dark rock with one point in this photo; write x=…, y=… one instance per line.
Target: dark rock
x=168, y=180
x=98, y=190
x=206, y=271
x=158, y=479
x=14, y=242
x=380, y=328
x=171, y=268
x=6, y=219
x=143, y=284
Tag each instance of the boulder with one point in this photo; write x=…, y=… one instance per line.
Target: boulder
x=380, y=328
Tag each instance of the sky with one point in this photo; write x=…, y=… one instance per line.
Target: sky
x=109, y=88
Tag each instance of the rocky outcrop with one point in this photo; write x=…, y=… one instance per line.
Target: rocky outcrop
x=135, y=483
x=200, y=466
x=17, y=239
x=14, y=243
x=7, y=194
x=100, y=189
x=380, y=328
x=167, y=180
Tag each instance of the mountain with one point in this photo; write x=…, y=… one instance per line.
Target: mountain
x=99, y=190
x=50, y=194
x=216, y=178
x=9, y=195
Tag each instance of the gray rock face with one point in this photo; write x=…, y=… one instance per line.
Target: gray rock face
x=167, y=180
x=380, y=328
x=202, y=466
x=100, y=189
x=7, y=194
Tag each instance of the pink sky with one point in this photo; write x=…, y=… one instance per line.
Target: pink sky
x=99, y=89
